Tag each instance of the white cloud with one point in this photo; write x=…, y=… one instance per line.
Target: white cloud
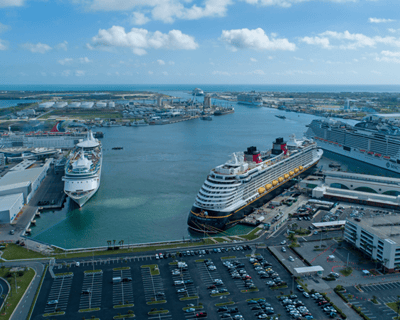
x=139, y=18
x=323, y=42
x=161, y=62
x=85, y=60
x=80, y=73
x=376, y=72
x=258, y=72
x=389, y=56
x=11, y=3
x=141, y=39
x=377, y=20
x=36, y=47
x=393, y=30
x=165, y=73
x=298, y=59
x=4, y=28
x=253, y=60
x=66, y=73
x=65, y=61
x=164, y=10
x=254, y=39
x=150, y=72
x=286, y=3
x=221, y=73
x=171, y=63
x=62, y=46
x=3, y=45
x=349, y=40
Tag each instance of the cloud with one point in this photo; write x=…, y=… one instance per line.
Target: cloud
x=4, y=28
x=258, y=72
x=393, y=30
x=161, y=62
x=253, y=60
x=36, y=47
x=11, y=3
x=298, y=59
x=62, y=46
x=150, y=72
x=171, y=63
x=65, y=61
x=377, y=20
x=139, y=18
x=254, y=39
x=80, y=73
x=66, y=73
x=141, y=39
x=286, y=3
x=165, y=73
x=221, y=73
x=85, y=60
x=389, y=56
x=349, y=40
x=163, y=10
x=3, y=45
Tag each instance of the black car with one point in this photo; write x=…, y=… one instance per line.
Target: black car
x=86, y=291
x=129, y=279
x=256, y=308
x=225, y=315
x=222, y=309
x=233, y=310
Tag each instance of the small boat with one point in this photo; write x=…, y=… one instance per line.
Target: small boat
x=117, y=148
x=280, y=117
x=207, y=118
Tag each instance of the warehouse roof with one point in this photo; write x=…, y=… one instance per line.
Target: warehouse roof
x=308, y=269
x=6, y=202
x=13, y=177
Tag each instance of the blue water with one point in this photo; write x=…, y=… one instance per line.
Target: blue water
x=208, y=88
x=14, y=103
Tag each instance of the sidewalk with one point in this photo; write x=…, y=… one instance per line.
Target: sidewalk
x=349, y=312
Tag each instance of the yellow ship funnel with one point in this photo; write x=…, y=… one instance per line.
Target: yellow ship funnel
x=274, y=183
x=261, y=190
x=286, y=176
x=301, y=168
x=291, y=173
x=296, y=170
x=280, y=179
x=268, y=186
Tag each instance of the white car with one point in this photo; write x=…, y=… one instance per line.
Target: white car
x=214, y=291
x=283, y=242
x=157, y=257
x=181, y=290
x=306, y=294
x=291, y=258
x=176, y=273
x=211, y=268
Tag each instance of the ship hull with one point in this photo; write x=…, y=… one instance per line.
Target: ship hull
x=220, y=221
x=80, y=201
x=360, y=156
x=257, y=104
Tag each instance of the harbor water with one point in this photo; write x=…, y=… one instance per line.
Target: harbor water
x=148, y=187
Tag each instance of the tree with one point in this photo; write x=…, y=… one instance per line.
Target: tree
x=114, y=243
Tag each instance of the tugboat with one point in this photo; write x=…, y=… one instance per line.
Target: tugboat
x=280, y=117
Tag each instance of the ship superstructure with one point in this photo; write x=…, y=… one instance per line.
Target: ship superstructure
x=375, y=142
x=247, y=181
x=250, y=99
x=83, y=170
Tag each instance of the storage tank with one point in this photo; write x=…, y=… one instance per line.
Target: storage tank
x=111, y=104
x=60, y=105
x=46, y=105
x=101, y=104
x=74, y=105
x=87, y=105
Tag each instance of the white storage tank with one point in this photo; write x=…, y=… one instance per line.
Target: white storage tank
x=87, y=105
x=60, y=105
x=101, y=104
x=46, y=105
x=111, y=104
x=74, y=105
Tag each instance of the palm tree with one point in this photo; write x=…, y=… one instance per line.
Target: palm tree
x=114, y=243
x=121, y=243
x=108, y=244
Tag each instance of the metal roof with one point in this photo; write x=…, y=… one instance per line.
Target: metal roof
x=15, y=185
x=6, y=202
x=13, y=177
x=329, y=224
x=308, y=269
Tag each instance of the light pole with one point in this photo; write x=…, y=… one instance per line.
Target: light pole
x=15, y=278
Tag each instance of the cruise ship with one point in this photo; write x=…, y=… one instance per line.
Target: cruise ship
x=83, y=170
x=375, y=142
x=198, y=92
x=250, y=99
x=249, y=180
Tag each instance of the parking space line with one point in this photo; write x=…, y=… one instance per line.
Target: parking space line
x=59, y=292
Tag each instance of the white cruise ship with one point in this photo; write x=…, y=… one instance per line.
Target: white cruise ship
x=198, y=92
x=249, y=180
x=250, y=99
x=375, y=142
x=83, y=170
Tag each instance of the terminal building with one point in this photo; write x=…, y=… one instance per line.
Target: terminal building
x=378, y=237
x=10, y=206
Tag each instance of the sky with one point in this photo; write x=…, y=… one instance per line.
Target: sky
x=200, y=42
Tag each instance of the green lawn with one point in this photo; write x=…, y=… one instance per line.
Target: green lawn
x=154, y=271
x=346, y=272
x=93, y=271
x=124, y=306
x=251, y=235
x=188, y=298
x=393, y=306
x=63, y=274
x=121, y=268
x=220, y=294
x=156, y=302
x=89, y=310
x=230, y=257
x=224, y=303
x=14, y=252
x=158, y=312
x=22, y=283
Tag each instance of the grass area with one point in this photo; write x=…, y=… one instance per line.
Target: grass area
x=89, y=310
x=189, y=298
x=220, y=294
x=93, y=271
x=346, y=271
x=121, y=268
x=221, y=304
x=156, y=302
x=279, y=287
x=174, y=263
x=83, y=115
x=158, y=312
x=199, y=260
x=393, y=306
x=196, y=307
x=37, y=293
x=123, y=306
x=230, y=257
x=154, y=270
x=251, y=255
x=64, y=274
x=60, y=313
x=249, y=290
x=124, y=316
x=14, y=252
x=255, y=299
x=252, y=234
x=222, y=240
x=13, y=298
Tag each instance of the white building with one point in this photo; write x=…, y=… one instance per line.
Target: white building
x=2, y=160
x=10, y=206
x=378, y=237
x=46, y=105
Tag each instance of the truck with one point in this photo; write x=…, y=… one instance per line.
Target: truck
x=116, y=280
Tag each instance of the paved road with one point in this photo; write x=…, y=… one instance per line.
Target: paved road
x=3, y=290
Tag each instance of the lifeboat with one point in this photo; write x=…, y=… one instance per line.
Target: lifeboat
x=296, y=170
x=301, y=168
x=261, y=190
x=370, y=153
x=286, y=176
x=274, y=183
x=362, y=150
x=280, y=179
x=378, y=155
x=268, y=186
x=291, y=173
x=386, y=157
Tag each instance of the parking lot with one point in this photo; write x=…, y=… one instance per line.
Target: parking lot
x=192, y=275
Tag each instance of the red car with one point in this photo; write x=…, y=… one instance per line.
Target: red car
x=201, y=315
x=211, y=287
x=322, y=302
